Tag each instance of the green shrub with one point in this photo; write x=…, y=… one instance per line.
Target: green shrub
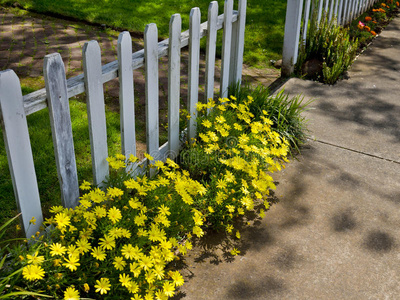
x=329, y=44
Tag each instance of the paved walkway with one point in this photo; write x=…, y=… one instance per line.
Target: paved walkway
x=335, y=234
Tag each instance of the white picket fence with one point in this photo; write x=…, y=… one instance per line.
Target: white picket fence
x=14, y=107
x=298, y=16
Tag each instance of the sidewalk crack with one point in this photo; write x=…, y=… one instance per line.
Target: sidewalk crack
x=357, y=151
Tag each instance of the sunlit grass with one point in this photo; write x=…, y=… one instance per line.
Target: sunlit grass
x=264, y=29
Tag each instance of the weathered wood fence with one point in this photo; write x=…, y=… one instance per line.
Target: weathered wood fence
x=14, y=107
x=299, y=14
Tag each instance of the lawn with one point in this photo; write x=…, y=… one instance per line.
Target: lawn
x=264, y=29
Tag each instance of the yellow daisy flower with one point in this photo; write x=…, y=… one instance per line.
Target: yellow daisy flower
x=71, y=294
x=33, y=272
x=102, y=286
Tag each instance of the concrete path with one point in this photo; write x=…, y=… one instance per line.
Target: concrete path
x=335, y=234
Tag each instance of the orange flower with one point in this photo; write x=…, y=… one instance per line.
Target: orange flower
x=367, y=19
x=397, y=3
x=383, y=4
x=373, y=32
x=375, y=22
x=367, y=28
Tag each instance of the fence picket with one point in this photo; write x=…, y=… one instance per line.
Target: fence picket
x=95, y=110
x=326, y=6
x=194, y=59
x=292, y=35
x=358, y=8
x=226, y=48
x=336, y=8
x=340, y=12
x=174, y=68
x=346, y=6
x=352, y=10
x=151, y=66
x=306, y=19
x=19, y=151
x=211, y=49
x=331, y=10
x=320, y=4
x=238, y=28
x=60, y=120
x=126, y=94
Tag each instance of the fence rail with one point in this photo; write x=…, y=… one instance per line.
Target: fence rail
x=14, y=107
x=299, y=14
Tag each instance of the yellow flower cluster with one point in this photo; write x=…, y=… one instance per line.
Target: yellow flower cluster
x=121, y=227
x=243, y=151
x=121, y=240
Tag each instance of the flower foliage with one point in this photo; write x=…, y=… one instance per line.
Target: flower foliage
x=232, y=157
x=335, y=47
x=119, y=242
x=368, y=25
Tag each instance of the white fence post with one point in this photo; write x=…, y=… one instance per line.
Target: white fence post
x=340, y=13
x=306, y=20
x=60, y=120
x=95, y=110
x=19, y=151
x=291, y=38
x=346, y=11
x=174, y=68
x=336, y=9
x=237, y=51
x=352, y=11
x=320, y=5
x=126, y=94
x=151, y=67
x=211, y=49
x=326, y=6
x=331, y=10
x=193, y=81
x=226, y=48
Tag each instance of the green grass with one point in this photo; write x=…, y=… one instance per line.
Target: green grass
x=264, y=29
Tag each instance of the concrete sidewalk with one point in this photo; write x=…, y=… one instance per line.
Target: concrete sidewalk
x=335, y=234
